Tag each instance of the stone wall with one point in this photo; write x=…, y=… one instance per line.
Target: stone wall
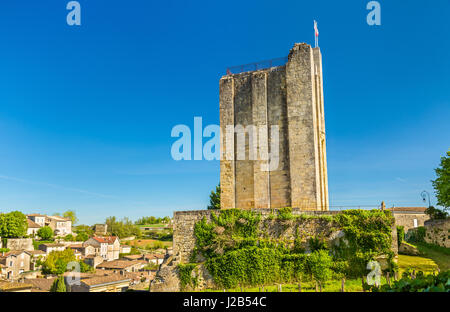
x=438, y=232
x=20, y=244
x=407, y=220
x=184, y=240
x=290, y=97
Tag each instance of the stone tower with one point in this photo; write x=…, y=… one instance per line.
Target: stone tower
x=290, y=97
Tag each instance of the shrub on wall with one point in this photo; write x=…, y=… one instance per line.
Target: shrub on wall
x=236, y=252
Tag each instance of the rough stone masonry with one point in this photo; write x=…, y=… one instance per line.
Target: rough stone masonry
x=291, y=97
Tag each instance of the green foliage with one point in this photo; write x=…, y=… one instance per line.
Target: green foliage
x=442, y=182
x=82, y=237
x=285, y=213
x=417, y=235
x=317, y=243
x=319, y=265
x=13, y=225
x=237, y=252
x=86, y=268
x=421, y=283
x=122, y=228
x=58, y=285
x=368, y=234
x=56, y=262
x=45, y=233
x=214, y=199
x=185, y=275
x=436, y=214
x=4, y=250
x=400, y=234
x=71, y=215
x=152, y=220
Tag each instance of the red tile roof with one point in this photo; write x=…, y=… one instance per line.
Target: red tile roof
x=32, y=224
x=108, y=240
x=408, y=209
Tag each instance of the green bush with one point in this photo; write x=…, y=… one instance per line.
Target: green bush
x=400, y=234
x=45, y=233
x=421, y=283
x=237, y=252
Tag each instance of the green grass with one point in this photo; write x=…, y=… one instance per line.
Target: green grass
x=426, y=265
x=440, y=255
x=352, y=285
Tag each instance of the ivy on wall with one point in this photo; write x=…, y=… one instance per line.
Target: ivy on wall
x=237, y=252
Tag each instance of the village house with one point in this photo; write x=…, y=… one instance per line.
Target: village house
x=106, y=247
x=122, y=266
x=83, y=251
x=409, y=217
x=33, y=228
x=49, y=247
x=148, y=258
x=61, y=226
x=125, y=249
x=37, y=218
x=105, y=283
x=13, y=264
x=101, y=229
x=15, y=287
x=36, y=255
x=93, y=260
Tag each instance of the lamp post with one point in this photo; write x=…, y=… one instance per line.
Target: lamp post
x=424, y=194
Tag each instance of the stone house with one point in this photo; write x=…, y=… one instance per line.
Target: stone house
x=15, y=287
x=37, y=218
x=36, y=255
x=105, y=283
x=60, y=226
x=14, y=263
x=122, y=266
x=125, y=249
x=84, y=251
x=106, y=247
x=101, y=229
x=409, y=217
x=48, y=248
x=33, y=228
x=93, y=261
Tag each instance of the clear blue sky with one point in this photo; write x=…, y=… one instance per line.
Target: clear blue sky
x=86, y=112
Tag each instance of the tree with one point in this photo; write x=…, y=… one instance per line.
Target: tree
x=71, y=215
x=59, y=285
x=122, y=228
x=45, y=233
x=214, y=199
x=319, y=266
x=435, y=213
x=56, y=262
x=442, y=182
x=13, y=224
x=82, y=237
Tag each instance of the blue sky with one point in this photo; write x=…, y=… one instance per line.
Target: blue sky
x=86, y=112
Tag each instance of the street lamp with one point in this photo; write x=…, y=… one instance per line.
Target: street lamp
x=424, y=194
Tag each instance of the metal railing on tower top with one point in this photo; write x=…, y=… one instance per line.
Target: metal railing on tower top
x=257, y=66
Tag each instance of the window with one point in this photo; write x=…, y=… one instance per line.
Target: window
x=415, y=223
x=21, y=263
